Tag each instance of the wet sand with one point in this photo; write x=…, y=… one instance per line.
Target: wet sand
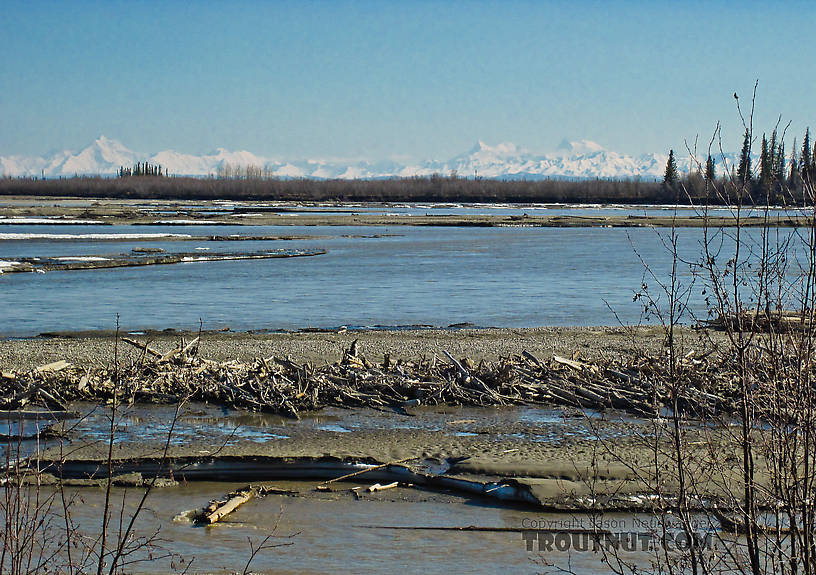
x=566, y=458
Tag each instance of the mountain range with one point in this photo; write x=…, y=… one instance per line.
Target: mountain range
x=578, y=160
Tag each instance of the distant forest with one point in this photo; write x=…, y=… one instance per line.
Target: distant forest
x=415, y=189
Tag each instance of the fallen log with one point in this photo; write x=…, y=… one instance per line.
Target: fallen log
x=52, y=367
x=217, y=510
x=368, y=469
x=463, y=373
x=143, y=346
x=380, y=487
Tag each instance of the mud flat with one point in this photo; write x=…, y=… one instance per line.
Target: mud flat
x=541, y=458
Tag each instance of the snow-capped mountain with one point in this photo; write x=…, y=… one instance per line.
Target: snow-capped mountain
x=579, y=159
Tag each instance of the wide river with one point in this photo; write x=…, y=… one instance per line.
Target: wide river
x=439, y=276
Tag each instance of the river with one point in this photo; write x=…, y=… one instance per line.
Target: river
x=439, y=276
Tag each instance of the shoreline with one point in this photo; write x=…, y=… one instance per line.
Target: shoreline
x=189, y=213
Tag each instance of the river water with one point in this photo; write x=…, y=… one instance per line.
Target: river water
x=338, y=534
x=488, y=277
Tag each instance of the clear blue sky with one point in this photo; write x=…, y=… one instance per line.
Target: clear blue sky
x=396, y=79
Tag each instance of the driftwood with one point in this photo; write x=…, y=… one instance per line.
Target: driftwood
x=639, y=385
x=217, y=510
x=738, y=527
x=380, y=487
x=779, y=321
x=372, y=468
x=143, y=346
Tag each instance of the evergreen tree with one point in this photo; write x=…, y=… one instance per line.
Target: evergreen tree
x=805, y=159
x=744, y=170
x=794, y=168
x=710, y=170
x=765, y=172
x=813, y=164
x=779, y=167
x=670, y=177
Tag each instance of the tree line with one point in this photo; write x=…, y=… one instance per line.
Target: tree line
x=435, y=188
x=776, y=180
x=142, y=169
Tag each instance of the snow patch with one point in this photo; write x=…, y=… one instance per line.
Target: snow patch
x=13, y=236
x=185, y=222
x=54, y=220
x=7, y=265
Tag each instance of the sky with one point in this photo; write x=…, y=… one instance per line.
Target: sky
x=398, y=80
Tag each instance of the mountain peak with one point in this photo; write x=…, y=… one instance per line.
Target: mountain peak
x=502, y=149
x=574, y=159
x=577, y=147
x=109, y=146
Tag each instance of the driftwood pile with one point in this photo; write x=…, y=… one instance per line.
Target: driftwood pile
x=762, y=321
x=284, y=386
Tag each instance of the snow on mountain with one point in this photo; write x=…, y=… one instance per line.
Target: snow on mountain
x=21, y=165
x=103, y=156
x=573, y=159
x=578, y=147
x=178, y=163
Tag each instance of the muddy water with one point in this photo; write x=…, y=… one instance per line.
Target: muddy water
x=338, y=533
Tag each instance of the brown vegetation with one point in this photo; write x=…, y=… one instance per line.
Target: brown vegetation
x=416, y=189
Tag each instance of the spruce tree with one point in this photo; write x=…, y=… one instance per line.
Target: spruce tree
x=670, y=177
x=794, y=167
x=765, y=172
x=805, y=160
x=744, y=169
x=710, y=170
x=779, y=167
x=813, y=164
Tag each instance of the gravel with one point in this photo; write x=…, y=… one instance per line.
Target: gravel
x=477, y=344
